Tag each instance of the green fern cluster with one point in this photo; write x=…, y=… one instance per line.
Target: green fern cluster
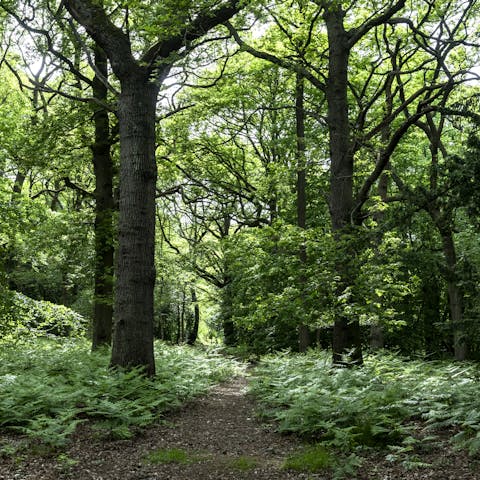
x=377, y=405
x=48, y=387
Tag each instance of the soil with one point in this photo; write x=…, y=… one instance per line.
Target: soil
x=223, y=440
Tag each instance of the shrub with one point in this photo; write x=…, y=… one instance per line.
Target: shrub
x=27, y=317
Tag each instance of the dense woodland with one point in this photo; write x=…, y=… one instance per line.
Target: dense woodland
x=267, y=176
x=279, y=174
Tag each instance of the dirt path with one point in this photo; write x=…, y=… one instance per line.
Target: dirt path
x=218, y=434
x=220, y=438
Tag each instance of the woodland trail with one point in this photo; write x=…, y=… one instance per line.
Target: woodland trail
x=219, y=437
x=220, y=434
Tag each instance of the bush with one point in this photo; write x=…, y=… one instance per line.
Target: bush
x=27, y=317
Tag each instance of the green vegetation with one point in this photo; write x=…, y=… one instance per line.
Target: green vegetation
x=378, y=405
x=300, y=175
x=27, y=317
x=171, y=455
x=48, y=387
x=243, y=463
x=313, y=459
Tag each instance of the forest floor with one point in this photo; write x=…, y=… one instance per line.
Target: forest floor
x=215, y=437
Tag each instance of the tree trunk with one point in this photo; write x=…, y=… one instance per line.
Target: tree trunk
x=133, y=332
x=18, y=183
x=304, y=336
x=430, y=315
x=140, y=80
x=193, y=333
x=346, y=332
x=55, y=204
x=104, y=242
x=455, y=297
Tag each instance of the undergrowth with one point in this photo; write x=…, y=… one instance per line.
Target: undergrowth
x=172, y=455
x=390, y=402
x=48, y=387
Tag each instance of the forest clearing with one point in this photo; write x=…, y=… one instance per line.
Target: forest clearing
x=239, y=239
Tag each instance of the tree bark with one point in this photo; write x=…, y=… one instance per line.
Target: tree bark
x=455, y=297
x=304, y=335
x=133, y=332
x=193, y=333
x=140, y=80
x=20, y=178
x=104, y=241
x=346, y=332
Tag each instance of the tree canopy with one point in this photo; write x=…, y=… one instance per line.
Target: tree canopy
x=267, y=174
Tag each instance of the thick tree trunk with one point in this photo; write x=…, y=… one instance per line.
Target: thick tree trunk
x=133, y=332
x=346, y=331
x=104, y=242
x=140, y=79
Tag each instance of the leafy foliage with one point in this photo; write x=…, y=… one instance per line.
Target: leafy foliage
x=38, y=317
x=48, y=387
x=374, y=406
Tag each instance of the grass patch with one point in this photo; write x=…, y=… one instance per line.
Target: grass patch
x=243, y=463
x=171, y=455
x=48, y=387
x=311, y=460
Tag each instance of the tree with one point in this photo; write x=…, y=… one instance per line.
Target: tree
x=140, y=80
x=349, y=31
x=65, y=72
x=104, y=208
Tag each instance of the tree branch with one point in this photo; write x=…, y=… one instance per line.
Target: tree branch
x=292, y=66
x=356, y=34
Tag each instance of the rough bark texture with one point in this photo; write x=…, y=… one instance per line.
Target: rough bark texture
x=304, y=336
x=139, y=80
x=133, y=332
x=104, y=242
x=346, y=332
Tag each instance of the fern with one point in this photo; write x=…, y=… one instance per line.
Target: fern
x=48, y=387
x=377, y=405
